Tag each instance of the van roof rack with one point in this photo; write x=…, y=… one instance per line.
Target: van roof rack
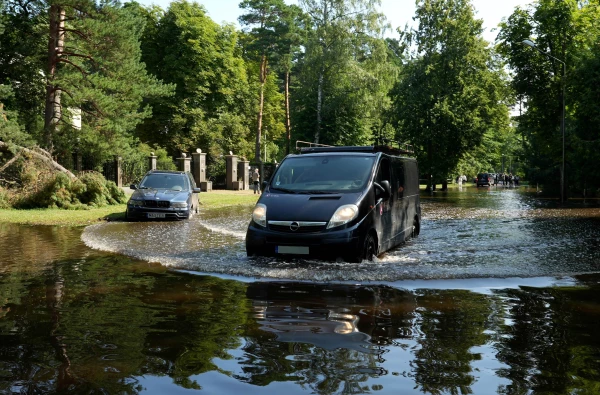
x=367, y=148
x=305, y=147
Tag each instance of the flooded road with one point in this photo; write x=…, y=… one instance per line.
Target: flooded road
x=498, y=295
x=473, y=233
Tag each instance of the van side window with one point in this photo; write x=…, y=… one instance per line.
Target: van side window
x=383, y=173
x=399, y=183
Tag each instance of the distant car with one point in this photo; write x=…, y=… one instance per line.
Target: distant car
x=163, y=194
x=483, y=179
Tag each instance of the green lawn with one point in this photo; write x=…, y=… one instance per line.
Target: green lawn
x=210, y=200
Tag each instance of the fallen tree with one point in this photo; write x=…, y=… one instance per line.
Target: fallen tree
x=39, y=154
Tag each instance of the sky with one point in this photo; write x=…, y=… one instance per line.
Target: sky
x=397, y=12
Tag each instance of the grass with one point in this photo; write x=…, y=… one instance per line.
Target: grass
x=211, y=200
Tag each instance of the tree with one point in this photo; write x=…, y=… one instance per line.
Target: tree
x=567, y=31
x=90, y=68
x=265, y=17
x=452, y=90
x=345, y=72
x=292, y=37
x=212, y=106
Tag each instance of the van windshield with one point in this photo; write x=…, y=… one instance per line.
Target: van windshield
x=319, y=174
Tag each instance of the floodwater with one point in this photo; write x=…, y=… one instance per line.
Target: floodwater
x=498, y=295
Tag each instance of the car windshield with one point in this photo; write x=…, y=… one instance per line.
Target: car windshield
x=323, y=174
x=175, y=182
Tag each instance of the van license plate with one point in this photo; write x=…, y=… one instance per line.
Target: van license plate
x=291, y=250
x=156, y=215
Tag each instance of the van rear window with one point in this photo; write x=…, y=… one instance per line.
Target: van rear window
x=331, y=173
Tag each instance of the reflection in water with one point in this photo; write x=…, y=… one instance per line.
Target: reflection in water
x=314, y=321
x=109, y=324
x=469, y=234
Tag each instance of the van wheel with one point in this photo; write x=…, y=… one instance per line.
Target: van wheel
x=367, y=252
x=370, y=248
x=416, y=228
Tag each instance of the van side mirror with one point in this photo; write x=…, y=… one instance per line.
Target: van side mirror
x=265, y=184
x=133, y=186
x=382, y=189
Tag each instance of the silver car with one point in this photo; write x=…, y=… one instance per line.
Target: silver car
x=163, y=194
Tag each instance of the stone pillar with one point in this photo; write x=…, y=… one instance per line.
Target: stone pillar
x=152, y=161
x=199, y=166
x=118, y=171
x=244, y=174
x=231, y=169
x=183, y=163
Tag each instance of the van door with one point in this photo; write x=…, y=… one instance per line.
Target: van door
x=384, y=219
x=401, y=206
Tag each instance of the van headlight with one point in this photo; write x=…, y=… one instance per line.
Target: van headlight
x=343, y=215
x=259, y=215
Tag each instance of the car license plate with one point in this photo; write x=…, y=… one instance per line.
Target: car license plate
x=156, y=215
x=291, y=250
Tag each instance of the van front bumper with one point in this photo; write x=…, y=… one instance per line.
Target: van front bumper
x=330, y=244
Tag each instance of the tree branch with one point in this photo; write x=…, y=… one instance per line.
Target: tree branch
x=81, y=70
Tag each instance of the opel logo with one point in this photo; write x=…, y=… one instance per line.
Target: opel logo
x=294, y=226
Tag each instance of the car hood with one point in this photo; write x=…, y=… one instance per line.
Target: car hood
x=160, y=194
x=305, y=207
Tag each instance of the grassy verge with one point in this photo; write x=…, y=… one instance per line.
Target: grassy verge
x=213, y=199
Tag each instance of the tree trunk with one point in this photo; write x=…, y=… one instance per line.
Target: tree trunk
x=56, y=42
x=319, y=107
x=261, y=102
x=288, y=123
x=321, y=76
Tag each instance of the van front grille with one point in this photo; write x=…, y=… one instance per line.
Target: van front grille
x=297, y=226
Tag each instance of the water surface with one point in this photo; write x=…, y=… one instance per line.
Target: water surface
x=499, y=295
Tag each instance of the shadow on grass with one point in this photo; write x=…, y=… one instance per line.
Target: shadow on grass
x=116, y=217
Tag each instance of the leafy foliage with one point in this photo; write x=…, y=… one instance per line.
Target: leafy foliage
x=60, y=191
x=345, y=74
x=452, y=92
x=566, y=36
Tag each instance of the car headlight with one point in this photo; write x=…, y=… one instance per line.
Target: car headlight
x=136, y=203
x=259, y=215
x=180, y=205
x=343, y=215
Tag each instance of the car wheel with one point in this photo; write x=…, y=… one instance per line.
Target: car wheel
x=128, y=217
x=416, y=228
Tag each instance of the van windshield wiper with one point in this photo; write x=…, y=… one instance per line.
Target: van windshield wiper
x=318, y=192
x=283, y=189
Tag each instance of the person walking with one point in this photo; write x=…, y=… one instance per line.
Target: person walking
x=255, y=180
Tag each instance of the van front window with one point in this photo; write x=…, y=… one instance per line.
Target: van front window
x=318, y=174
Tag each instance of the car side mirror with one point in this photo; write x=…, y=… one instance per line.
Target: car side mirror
x=133, y=186
x=265, y=184
x=382, y=189
x=196, y=190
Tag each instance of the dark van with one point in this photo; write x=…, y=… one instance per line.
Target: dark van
x=352, y=203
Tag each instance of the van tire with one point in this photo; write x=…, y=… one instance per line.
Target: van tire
x=370, y=248
x=416, y=228
x=369, y=244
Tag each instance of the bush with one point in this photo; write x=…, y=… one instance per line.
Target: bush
x=90, y=190
x=5, y=198
x=58, y=192
x=98, y=192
